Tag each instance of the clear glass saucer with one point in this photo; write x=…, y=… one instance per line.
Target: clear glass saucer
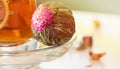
x=29, y=55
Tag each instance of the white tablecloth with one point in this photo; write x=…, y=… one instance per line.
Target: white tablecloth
x=106, y=39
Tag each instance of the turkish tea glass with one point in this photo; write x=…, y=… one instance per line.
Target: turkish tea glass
x=15, y=21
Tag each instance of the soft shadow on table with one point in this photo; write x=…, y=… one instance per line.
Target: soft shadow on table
x=96, y=65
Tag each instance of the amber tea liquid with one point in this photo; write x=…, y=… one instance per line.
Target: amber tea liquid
x=15, y=20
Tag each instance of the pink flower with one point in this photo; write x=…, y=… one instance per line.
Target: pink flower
x=41, y=18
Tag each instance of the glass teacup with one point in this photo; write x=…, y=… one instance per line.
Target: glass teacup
x=15, y=21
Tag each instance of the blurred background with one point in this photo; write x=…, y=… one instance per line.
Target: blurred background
x=104, y=29
x=104, y=6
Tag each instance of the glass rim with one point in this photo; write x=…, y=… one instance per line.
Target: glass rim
x=21, y=52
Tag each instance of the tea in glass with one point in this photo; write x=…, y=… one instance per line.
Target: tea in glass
x=15, y=21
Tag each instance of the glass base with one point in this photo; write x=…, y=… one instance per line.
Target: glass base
x=19, y=67
x=31, y=44
x=31, y=54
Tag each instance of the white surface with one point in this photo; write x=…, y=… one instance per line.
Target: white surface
x=106, y=39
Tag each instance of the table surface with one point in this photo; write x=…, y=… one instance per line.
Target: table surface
x=105, y=39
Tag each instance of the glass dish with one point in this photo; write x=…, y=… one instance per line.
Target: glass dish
x=23, y=57
x=26, y=54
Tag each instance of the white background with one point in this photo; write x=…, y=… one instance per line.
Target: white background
x=104, y=6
